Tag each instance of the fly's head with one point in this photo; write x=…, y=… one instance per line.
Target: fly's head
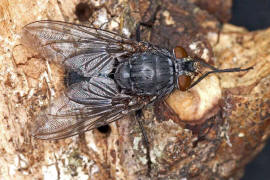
x=186, y=69
x=199, y=104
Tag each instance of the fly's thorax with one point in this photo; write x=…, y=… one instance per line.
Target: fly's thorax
x=146, y=74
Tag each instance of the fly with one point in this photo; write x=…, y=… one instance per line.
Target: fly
x=114, y=76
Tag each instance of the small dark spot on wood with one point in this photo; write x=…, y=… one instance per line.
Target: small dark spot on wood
x=83, y=11
x=8, y=82
x=117, y=142
x=240, y=40
x=104, y=129
x=113, y=154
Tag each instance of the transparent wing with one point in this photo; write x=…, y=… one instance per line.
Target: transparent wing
x=83, y=49
x=86, y=105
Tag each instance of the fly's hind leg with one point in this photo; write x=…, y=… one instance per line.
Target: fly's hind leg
x=138, y=116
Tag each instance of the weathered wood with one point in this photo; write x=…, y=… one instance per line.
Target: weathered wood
x=219, y=125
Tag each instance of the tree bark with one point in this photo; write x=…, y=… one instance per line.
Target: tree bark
x=212, y=130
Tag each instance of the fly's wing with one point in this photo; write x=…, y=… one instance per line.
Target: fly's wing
x=86, y=105
x=86, y=50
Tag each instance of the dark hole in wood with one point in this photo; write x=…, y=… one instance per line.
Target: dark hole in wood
x=83, y=11
x=104, y=129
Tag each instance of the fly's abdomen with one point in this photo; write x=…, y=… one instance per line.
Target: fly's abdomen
x=146, y=74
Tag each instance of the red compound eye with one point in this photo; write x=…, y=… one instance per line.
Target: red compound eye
x=180, y=52
x=184, y=82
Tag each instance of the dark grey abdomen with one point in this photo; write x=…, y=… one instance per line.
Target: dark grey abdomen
x=145, y=74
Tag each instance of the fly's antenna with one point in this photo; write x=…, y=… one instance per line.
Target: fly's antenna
x=215, y=70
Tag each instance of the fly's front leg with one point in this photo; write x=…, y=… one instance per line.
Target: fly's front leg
x=149, y=24
x=138, y=30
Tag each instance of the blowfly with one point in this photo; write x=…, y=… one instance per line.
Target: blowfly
x=110, y=76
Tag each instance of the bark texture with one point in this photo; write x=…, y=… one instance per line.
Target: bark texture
x=213, y=130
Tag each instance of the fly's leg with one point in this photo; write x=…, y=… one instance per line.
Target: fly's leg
x=219, y=32
x=145, y=140
x=138, y=29
x=149, y=24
